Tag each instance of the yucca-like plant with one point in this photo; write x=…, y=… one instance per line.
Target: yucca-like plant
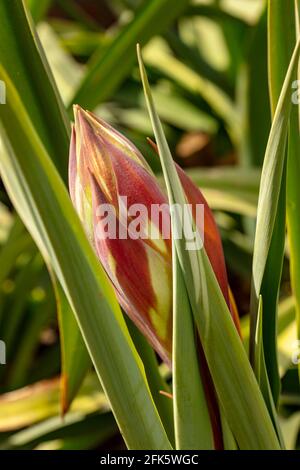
x=123, y=298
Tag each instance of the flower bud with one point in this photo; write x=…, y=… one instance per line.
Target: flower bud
x=114, y=192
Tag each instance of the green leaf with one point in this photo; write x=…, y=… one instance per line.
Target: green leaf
x=261, y=372
x=107, y=69
x=228, y=178
x=293, y=192
x=286, y=338
x=235, y=384
x=38, y=8
x=228, y=437
x=255, y=73
x=75, y=358
x=270, y=228
x=66, y=70
x=158, y=55
x=75, y=432
x=181, y=113
x=192, y=421
x=24, y=282
x=159, y=388
x=228, y=189
x=39, y=401
x=233, y=189
x=231, y=201
x=17, y=242
x=191, y=56
x=281, y=24
x=37, y=314
x=24, y=61
x=41, y=199
x=290, y=428
x=79, y=14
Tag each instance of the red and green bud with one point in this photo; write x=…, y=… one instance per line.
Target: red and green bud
x=104, y=166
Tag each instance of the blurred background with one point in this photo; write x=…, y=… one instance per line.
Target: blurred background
x=207, y=63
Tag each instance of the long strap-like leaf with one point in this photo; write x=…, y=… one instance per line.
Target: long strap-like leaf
x=24, y=60
x=270, y=227
x=293, y=189
x=236, y=387
x=42, y=201
x=108, y=68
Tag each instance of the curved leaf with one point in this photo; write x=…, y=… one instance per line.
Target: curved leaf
x=42, y=200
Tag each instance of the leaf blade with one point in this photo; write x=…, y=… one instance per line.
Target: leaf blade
x=105, y=73
x=220, y=340
x=42, y=200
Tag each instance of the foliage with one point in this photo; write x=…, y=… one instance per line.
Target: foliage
x=222, y=103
